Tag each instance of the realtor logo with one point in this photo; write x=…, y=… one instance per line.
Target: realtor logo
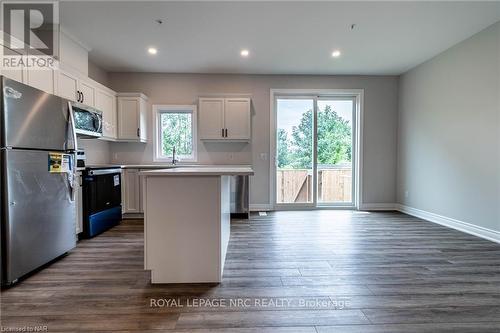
x=30, y=33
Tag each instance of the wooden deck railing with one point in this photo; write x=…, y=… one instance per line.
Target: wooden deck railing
x=295, y=185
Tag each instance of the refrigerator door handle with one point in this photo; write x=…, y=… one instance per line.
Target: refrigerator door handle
x=72, y=178
x=71, y=123
x=72, y=174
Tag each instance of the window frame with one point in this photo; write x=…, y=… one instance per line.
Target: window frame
x=158, y=110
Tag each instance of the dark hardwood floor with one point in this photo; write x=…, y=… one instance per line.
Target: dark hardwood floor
x=315, y=271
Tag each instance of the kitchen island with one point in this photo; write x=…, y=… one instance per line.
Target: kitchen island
x=187, y=222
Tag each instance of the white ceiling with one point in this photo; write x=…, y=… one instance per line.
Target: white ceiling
x=283, y=37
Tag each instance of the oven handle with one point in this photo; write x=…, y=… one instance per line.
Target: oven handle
x=98, y=118
x=104, y=172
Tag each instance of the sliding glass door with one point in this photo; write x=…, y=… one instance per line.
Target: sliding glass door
x=294, y=151
x=334, y=159
x=315, y=151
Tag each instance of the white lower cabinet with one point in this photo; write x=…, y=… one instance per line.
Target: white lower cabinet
x=79, y=203
x=131, y=191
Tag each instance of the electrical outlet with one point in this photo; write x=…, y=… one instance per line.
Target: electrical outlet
x=263, y=156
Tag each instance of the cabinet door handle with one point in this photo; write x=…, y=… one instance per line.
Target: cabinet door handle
x=83, y=97
x=78, y=96
x=226, y=132
x=222, y=132
x=138, y=132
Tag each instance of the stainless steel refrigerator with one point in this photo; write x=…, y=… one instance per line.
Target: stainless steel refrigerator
x=38, y=212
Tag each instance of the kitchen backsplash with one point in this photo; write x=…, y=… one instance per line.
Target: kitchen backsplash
x=96, y=151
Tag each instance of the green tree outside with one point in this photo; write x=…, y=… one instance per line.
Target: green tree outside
x=334, y=141
x=176, y=132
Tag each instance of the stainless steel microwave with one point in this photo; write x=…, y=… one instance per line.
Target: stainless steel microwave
x=88, y=121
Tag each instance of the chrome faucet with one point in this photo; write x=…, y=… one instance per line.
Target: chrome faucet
x=174, y=160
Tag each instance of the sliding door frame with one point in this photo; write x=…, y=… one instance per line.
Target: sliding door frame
x=298, y=205
x=315, y=95
x=354, y=149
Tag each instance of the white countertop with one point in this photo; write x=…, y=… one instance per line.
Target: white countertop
x=202, y=171
x=179, y=165
x=149, y=166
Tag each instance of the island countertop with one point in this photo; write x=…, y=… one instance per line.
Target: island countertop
x=187, y=222
x=201, y=171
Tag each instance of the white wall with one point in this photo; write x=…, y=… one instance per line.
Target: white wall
x=97, y=73
x=380, y=120
x=449, y=133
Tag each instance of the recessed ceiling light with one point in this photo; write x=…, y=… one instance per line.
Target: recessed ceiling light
x=152, y=50
x=244, y=53
x=336, y=54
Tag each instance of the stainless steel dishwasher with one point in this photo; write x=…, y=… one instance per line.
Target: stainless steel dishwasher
x=239, y=197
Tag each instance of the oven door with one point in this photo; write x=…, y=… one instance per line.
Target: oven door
x=101, y=201
x=88, y=122
x=103, y=189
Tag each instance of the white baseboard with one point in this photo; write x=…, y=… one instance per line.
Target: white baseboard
x=261, y=207
x=378, y=206
x=128, y=216
x=468, y=228
x=366, y=206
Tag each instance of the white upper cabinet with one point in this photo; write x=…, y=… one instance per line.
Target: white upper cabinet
x=128, y=125
x=67, y=85
x=42, y=79
x=17, y=73
x=72, y=86
x=225, y=119
x=132, y=117
x=37, y=77
x=237, y=118
x=87, y=93
x=105, y=101
x=211, y=118
x=143, y=120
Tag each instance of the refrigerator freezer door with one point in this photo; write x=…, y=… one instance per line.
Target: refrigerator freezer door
x=33, y=119
x=39, y=217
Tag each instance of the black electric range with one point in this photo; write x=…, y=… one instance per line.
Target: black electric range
x=102, y=200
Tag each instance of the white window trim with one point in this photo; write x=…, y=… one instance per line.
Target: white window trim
x=157, y=110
